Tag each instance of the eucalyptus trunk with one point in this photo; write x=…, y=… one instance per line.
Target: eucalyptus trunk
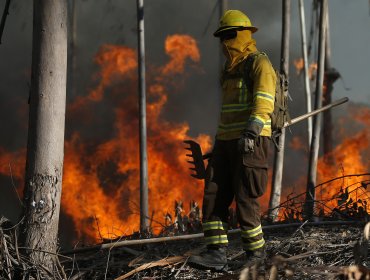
x=45, y=147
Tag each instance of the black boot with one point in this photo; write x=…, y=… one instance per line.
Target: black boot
x=255, y=257
x=212, y=258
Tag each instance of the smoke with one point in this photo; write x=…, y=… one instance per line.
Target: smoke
x=114, y=22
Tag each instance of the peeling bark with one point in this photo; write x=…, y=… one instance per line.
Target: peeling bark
x=45, y=149
x=41, y=216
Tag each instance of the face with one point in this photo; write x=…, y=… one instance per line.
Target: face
x=234, y=42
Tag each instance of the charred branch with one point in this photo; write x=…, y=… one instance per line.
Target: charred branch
x=110, y=246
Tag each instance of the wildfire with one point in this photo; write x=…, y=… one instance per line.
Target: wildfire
x=115, y=62
x=348, y=158
x=117, y=212
x=101, y=180
x=178, y=47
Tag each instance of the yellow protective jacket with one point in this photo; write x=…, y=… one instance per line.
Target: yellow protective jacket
x=243, y=110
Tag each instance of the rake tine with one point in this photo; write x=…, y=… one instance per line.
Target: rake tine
x=196, y=159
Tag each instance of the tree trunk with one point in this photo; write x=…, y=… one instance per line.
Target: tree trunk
x=305, y=68
x=330, y=76
x=277, y=175
x=315, y=144
x=45, y=149
x=144, y=196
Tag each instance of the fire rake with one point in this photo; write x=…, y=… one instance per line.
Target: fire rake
x=197, y=158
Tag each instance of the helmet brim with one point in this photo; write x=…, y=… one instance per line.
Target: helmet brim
x=221, y=29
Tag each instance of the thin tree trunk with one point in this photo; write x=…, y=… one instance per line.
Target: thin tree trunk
x=277, y=176
x=315, y=144
x=45, y=149
x=331, y=75
x=144, y=207
x=305, y=68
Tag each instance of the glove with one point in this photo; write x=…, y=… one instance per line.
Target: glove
x=246, y=143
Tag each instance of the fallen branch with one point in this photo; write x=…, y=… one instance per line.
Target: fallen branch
x=162, y=262
x=194, y=236
x=181, y=268
x=294, y=258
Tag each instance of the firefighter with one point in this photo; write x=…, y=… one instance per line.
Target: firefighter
x=238, y=167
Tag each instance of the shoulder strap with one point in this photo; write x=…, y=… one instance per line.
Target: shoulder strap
x=248, y=68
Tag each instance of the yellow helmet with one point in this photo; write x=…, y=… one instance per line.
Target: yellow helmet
x=234, y=19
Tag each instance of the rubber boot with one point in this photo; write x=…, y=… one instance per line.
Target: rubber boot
x=212, y=258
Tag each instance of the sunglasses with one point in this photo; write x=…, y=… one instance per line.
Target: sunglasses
x=228, y=35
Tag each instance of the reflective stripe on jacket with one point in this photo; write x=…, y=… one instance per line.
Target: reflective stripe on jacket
x=242, y=109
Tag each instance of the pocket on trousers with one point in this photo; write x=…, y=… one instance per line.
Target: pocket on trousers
x=254, y=181
x=259, y=158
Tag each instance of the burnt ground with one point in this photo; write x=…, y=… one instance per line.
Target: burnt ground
x=294, y=252
x=307, y=252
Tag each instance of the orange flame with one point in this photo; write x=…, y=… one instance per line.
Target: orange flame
x=115, y=62
x=349, y=159
x=299, y=65
x=101, y=184
x=179, y=47
x=117, y=212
